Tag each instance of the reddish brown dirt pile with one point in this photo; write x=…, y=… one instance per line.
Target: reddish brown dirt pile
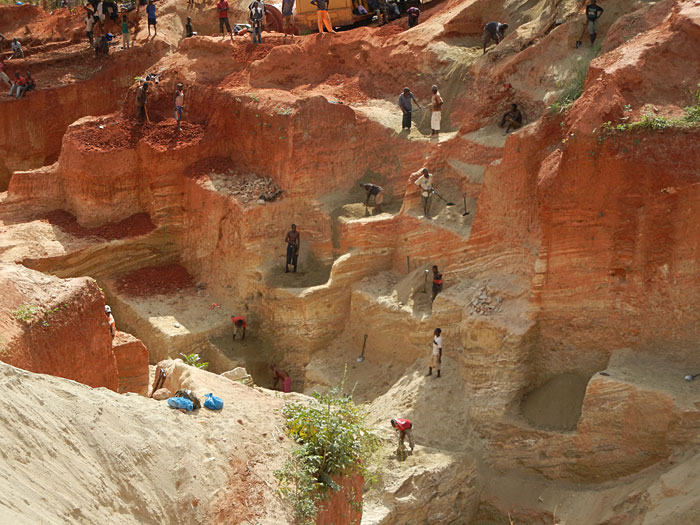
x=165, y=135
x=138, y=224
x=155, y=280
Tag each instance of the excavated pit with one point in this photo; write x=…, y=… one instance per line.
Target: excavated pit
x=556, y=405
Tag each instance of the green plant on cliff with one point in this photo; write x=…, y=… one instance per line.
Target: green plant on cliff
x=573, y=89
x=332, y=439
x=194, y=360
x=26, y=312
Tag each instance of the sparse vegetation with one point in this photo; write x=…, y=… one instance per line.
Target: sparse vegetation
x=332, y=440
x=26, y=312
x=573, y=89
x=195, y=361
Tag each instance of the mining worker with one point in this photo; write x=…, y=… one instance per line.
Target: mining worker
x=437, y=282
x=436, y=115
x=257, y=12
x=413, y=14
x=89, y=24
x=141, y=99
x=179, y=101
x=512, y=119
x=493, y=31
x=436, y=354
x=16, y=49
x=239, y=326
x=151, y=16
x=18, y=84
x=126, y=37
x=405, y=430
x=405, y=103
x=222, y=10
x=287, y=12
x=377, y=191
x=425, y=183
x=284, y=376
x=110, y=321
x=29, y=83
x=322, y=17
x=593, y=13
x=293, y=240
x=188, y=28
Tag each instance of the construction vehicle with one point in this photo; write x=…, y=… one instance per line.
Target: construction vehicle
x=342, y=13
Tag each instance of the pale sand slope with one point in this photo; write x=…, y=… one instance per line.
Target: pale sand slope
x=73, y=454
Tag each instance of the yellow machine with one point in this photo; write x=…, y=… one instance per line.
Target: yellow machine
x=342, y=13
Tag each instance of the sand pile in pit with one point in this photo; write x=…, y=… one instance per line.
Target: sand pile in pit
x=556, y=405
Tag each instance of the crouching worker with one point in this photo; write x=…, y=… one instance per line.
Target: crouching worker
x=405, y=429
x=281, y=375
x=512, y=119
x=239, y=326
x=378, y=192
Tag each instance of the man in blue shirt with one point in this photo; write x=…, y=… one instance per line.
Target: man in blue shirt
x=151, y=14
x=406, y=107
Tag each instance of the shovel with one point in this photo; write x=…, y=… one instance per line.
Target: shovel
x=464, y=196
x=690, y=377
x=447, y=203
x=362, y=355
x=579, y=43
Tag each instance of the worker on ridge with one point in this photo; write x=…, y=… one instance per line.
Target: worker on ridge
x=377, y=191
x=404, y=428
x=255, y=17
x=322, y=17
x=188, y=28
x=405, y=103
x=287, y=13
x=110, y=321
x=436, y=354
x=513, y=118
x=293, y=240
x=141, y=99
x=493, y=31
x=436, y=115
x=239, y=326
x=179, y=101
x=437, y=282
x=222, y=13
x=151, y=16
x=425, y=183
x=593, y=13
x=284, y=376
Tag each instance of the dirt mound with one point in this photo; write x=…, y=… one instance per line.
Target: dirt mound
x=138, y=224
x=556, y=405
x=155, y=280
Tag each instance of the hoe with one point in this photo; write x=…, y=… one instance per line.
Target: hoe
x=362, y=355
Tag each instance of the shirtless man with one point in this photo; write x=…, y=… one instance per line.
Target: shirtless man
x=293, y=241
x=281, y=375
x=436, y=116
x=513, y=118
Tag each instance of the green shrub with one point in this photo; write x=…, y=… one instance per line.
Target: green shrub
x=26, y=312
x=193, y=360
x=332, y=439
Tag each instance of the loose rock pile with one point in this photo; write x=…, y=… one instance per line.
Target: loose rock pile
x=484, y=304
x=246, y=187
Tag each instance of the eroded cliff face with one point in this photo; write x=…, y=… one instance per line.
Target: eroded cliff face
x=569, y=247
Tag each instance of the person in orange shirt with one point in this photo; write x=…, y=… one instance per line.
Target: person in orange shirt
x=239, y=325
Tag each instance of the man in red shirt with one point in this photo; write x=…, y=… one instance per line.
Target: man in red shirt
x=405, y=429
x=239, y=326
x=17, y=86
x=222, y=9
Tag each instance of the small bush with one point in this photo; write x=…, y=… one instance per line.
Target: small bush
x=332, y=440
x=194, y=360
x=26, y=312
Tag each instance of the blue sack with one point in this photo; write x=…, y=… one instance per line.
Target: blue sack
x=213, y=402
x=181, y=402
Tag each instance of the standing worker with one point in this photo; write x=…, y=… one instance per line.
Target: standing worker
x=322, y=17
x=239, y=326
x=222, y=10
x=493, y=31
x=141, y=99
x=110, y=321
x=406, y=106
x=425, y=183
x=16, y=47
x=437, y=282
x=89, y=24
x=378, y=192
x=404, y=427
x=413, y=14
x=593, y=12
x=436, y=354
x=179, y=101
x=126, y=38
x=293, y=240
x=257, y=12
x=436, y=116
x=287, y=11
x=151, y=15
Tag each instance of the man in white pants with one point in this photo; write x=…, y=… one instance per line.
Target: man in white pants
x=436, y=116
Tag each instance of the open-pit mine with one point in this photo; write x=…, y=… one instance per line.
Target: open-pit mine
x=569, y=247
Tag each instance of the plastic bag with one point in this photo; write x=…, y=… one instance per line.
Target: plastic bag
x=181, y=403
x=213, y=402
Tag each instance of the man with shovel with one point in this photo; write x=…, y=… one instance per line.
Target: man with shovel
x=593, y=13
x=425, y=183
x=405, y=103
x=377, y=191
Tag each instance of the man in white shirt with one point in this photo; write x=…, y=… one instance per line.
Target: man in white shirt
x=425, y=183
x=436, y=355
